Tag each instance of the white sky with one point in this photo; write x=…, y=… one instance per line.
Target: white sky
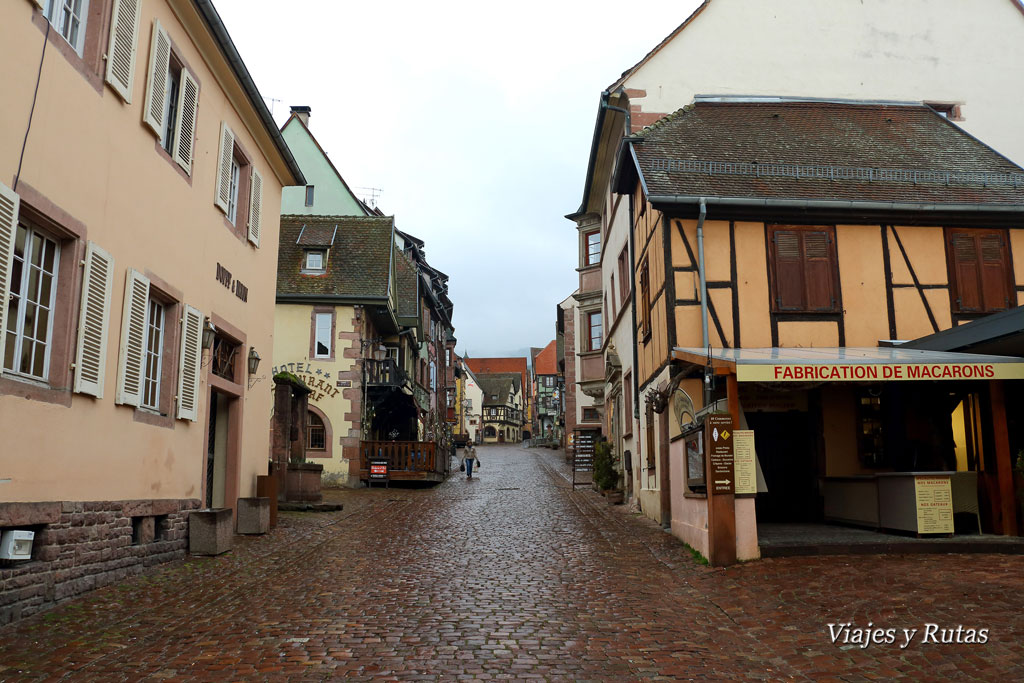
x=475, y=121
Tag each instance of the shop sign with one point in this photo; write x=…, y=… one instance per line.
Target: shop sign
x=318, y=380
x=934, y=505
x=878, y=372
x=378, y=469
x=237, y=288
x=719, y=438
x=743, y=458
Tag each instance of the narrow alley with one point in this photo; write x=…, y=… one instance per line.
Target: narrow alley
x=514, y=575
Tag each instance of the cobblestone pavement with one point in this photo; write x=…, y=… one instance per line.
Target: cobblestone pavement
x=512, y=575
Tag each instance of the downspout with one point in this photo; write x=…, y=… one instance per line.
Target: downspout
x=703, y=274
x=632, y=266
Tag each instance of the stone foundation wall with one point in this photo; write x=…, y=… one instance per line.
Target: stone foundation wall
x=80, y=546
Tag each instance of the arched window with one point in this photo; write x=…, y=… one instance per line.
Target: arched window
x=316, y=434
x=490, y=432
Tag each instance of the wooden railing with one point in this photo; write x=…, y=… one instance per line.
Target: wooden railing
x=383, y=373
x=402, y=456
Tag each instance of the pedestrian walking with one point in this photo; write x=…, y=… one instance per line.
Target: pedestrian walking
x=469, y=458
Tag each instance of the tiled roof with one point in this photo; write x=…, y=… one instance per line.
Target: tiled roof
x=317, y=235
x=498, y=384
x=764, y=150
x=544, y=363
x=357, y=265
x=408, y=302
x=482, y=366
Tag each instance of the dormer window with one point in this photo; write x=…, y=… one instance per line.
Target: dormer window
x=315, y=261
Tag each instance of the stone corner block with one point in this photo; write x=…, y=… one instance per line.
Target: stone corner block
x=209, y=531
x=253, y=515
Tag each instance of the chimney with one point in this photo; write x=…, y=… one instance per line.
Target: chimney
x=302, y=113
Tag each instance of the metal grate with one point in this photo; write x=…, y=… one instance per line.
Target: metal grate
x=802, y=172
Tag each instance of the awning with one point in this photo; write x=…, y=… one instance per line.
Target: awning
x=852, y=364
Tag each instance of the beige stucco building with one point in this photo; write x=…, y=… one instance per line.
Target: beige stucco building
x=140, y=181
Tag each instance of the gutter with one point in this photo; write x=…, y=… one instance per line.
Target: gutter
x=317, y=298
x=683, y=200
x=220, y=34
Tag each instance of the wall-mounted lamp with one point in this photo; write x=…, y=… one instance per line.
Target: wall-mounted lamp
x=209, y=332
x=254, y=364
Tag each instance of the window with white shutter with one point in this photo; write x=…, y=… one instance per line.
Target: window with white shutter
x=156, y=88
x=189, y=364
x=124, y=35
x=132, y=352
x=185, y=126
x=68, y=18
x=9, y=202
x=94, y=321
x=227, y=155
x=255, y=205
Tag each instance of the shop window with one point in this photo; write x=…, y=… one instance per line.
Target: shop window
x=316, y=433
x=225, y=356
x=593, y=241
x=31, y=303
x=980, y=275
x=869, y=429
x=804, y=274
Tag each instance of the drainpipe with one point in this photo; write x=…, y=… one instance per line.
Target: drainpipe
x=703, y=274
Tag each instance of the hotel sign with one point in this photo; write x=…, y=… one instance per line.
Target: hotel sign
x=850, y=372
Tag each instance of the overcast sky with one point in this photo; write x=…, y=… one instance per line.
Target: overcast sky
x=474, y=121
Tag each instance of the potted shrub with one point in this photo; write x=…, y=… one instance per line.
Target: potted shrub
x=605, y=476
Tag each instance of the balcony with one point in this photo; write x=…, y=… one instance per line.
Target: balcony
x=383, y=373
x=407, y=460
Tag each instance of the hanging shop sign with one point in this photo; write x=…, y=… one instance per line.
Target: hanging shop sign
x=878, y=372
x=718, y=436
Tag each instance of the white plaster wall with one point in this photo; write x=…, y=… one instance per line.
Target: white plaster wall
x=971, y=52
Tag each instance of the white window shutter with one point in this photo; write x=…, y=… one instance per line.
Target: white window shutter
x=189, y=364
x=186, y=123
x=156, y=87
x=124, y=35
x=227, y=152
x=255, y=205
x=37, y=3
x=9, y=202
x=132, y=354
x=94, y=321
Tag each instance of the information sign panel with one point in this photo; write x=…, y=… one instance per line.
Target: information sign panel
x=379, y=470
x=584, y=441
x=718, y=437
x=743, y=457
x=934, y=505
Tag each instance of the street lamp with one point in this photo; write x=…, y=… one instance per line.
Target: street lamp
x=253, y=363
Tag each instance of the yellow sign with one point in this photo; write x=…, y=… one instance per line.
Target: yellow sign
x=744, y=454
x=934, y=505
x=877, y=372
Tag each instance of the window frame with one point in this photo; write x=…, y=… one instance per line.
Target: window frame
x=624, y=286
x=157, y=381
x=590, y=330
x=53, y=6
x=591, y=250
x=15, y=347
x=309, y=195
x=320, y=317
x=306, y=268
x=831, y=261
x=595, y=414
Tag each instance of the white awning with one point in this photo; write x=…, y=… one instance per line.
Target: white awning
x=853, y=364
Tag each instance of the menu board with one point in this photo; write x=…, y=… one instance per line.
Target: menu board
x=583, y=451
x=743, y=457
x=718, y=432
x=934, y=505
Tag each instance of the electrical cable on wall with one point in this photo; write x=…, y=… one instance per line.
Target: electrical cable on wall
x=32, y=111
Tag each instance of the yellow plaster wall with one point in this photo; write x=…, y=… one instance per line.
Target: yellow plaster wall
x=721, y=299
x=688, y=326
x=752, y=275
x=862, y=282
x=291, y=345
x=1017, y=255
x=926, y=247
x=797, y=334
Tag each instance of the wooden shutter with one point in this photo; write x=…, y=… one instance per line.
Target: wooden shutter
x=227, y=153
x=789, y=270
x=9, y=202
x=186, y=121
x=964, y=251
x=189, y=364
x=255, y=205
x=818, y=270
x=94, y=321
x=124, y=35
x=156, y=88
x=995, y=271
x=132, y=355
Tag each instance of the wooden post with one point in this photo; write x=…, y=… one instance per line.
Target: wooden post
x=722, y=503
x=665, y=481
x=1004, y=466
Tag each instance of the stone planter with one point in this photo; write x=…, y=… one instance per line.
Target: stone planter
x=303, y=482
x=253, y=515
x=209, y=531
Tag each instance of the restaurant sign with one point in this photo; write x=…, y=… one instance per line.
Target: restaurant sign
x=852, y=372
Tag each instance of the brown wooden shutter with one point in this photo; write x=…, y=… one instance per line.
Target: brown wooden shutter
x=994, y=267
x=964, y=251
x=818, y=271
x=787, y=247
x=124, y=34
x=9, y=203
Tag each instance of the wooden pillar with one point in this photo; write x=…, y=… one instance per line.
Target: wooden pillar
x=664, y=481
x=1004, y=465
x=722, y=504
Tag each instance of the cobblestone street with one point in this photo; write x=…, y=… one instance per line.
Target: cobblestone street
x=513, y=575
